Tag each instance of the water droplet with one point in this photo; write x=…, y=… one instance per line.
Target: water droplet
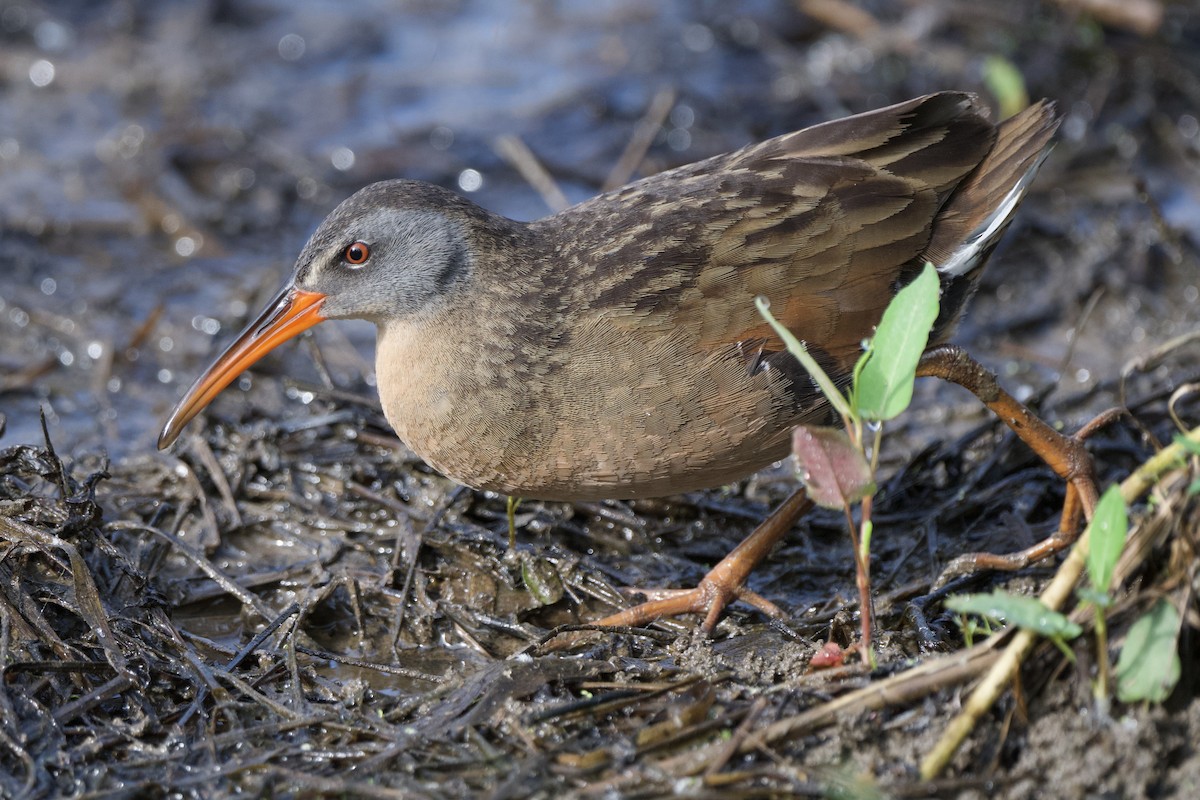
x=1188, y=126
x=292, y=47
x=698, y=38
x=342, y=158
x=306, y=188
x=470, y=180
x=679, y=139
x=244, y=178
x=41, y=74
x=14, y=18
x=441, y=137
x=744, y=31
x=51, y=36
x=683, y=116
x=206, y=324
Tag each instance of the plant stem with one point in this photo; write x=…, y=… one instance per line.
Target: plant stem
x=875, y=448
x=862, y=552
x=862, y=563
x=1102, y=665
x=862, y=577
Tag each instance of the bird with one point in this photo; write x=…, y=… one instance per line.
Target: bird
x=613, y=350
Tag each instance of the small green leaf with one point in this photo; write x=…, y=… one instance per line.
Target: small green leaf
x=1187, y=444
x=1110, y=524
x=884, y=385
x=1006, y=83
x=1094, y=596
x=1192, y=448
x=800, y=353
x=542, y=580
x=1149, y=666
x=1024, y=612
x=833, y=470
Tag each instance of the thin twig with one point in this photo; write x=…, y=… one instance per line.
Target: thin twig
x=513, y=150
x=643, y=136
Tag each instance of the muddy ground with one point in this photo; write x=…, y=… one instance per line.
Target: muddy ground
x=289, y=603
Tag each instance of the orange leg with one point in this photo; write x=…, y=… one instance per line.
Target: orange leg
x=724, y=583
x=1065, y=455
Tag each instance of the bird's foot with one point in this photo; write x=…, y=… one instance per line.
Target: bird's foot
x=725, y=582
x=1066, y=455
x=710, y=597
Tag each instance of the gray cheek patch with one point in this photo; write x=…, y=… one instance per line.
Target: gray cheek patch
x=417, y=255
x=421, y=255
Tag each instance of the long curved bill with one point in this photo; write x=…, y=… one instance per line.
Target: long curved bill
x=289, y=312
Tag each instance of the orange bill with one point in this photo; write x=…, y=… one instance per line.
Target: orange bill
x=289, y=313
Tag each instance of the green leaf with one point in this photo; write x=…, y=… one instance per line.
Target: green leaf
x=1149, y=666
x=1024, y=612
x=1094, y=596
x=1187, y=444
x=833, y=470
x=884, y=381
x=542, y=580
x=1110, y=524
x=1192, y=449
x=1006, y=83
x=800, y=353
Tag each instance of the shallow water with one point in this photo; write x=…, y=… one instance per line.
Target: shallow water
x=172, y=157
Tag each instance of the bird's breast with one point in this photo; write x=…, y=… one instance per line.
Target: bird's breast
x=602, y=418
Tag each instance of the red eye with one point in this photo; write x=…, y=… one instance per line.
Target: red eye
x=357, y=254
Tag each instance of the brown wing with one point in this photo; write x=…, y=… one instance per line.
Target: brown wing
x=823, y=222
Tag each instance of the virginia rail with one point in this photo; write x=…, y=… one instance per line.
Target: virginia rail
x=613, y=350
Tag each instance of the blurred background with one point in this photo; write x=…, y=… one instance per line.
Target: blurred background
x=161, y=163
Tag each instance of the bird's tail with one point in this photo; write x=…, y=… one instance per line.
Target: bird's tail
x=972, y=221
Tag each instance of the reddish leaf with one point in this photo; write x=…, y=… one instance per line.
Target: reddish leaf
x=830, y=655
x=833, y=471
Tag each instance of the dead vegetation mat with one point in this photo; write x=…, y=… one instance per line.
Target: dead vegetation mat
x=304, y=608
